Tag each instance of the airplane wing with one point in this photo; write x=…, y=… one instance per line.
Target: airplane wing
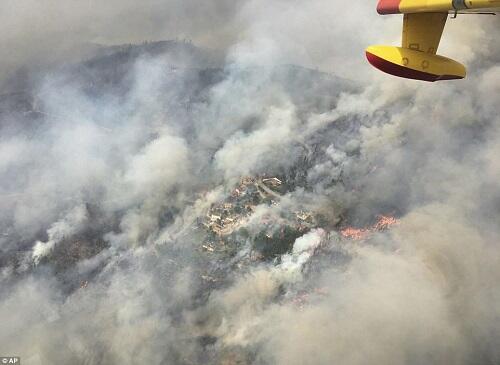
x=434, y=6
x=423, y=26
x=416, y=58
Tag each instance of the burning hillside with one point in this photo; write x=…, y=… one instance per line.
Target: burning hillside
x=165, y=203
x=383, y=223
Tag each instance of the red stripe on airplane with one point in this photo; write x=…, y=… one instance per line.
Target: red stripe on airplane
x=388, y=6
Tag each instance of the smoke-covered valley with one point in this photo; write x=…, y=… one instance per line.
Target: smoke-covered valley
x=258, y=195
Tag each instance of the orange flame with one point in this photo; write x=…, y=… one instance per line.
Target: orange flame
x=354, y=233
x=384, y=222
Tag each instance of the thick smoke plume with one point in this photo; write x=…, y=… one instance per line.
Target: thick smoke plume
x=111, y=158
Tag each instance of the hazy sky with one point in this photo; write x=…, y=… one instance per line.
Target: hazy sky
x=320, y=34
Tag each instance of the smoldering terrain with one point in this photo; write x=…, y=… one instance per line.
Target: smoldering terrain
x=247, y=191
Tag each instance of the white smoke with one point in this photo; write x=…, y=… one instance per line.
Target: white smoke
x=66, y=227
x=130, y=169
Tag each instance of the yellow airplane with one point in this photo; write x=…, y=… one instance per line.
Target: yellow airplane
x=423, y=26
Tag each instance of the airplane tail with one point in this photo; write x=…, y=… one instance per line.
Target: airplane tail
x=412, y=64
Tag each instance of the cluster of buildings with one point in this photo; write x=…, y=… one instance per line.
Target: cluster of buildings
x=228, y=216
